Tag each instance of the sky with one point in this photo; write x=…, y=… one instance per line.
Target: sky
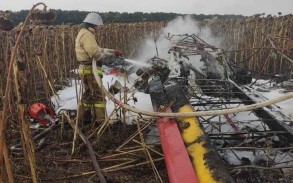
x=239, y=7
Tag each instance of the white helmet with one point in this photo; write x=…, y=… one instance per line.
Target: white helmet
x=93, y=18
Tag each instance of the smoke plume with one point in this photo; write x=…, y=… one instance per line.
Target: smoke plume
x=179, y=26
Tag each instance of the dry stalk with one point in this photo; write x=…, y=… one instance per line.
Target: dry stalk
x=7, y=164
x=91, y=151
x=125, y=91
x=119, y=154
x=130, y=153
x=148, y=155
x=149, y=148
x=101, y=129
x=77, y=116
x=107, y=170
x=118, y=165
x=28, y=146
x=148, y=158
x=130, y=148
x=47, y=78
x=133, y=166
x=259, y=167
x=133, y=135
x=71, y=176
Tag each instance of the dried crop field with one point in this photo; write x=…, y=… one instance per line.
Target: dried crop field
x=261, y=44
x=46, y=53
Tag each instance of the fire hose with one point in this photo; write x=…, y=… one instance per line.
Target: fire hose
x=187, y=114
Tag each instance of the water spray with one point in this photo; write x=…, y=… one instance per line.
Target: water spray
x=138, y=63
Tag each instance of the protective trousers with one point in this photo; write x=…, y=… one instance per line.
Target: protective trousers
x=92, y=99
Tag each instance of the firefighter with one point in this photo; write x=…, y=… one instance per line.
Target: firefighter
x=87, y=48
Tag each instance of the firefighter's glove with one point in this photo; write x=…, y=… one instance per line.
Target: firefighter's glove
x=108, y=52
x=118, y=53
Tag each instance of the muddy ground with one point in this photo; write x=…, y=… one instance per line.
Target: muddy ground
x=56, y=164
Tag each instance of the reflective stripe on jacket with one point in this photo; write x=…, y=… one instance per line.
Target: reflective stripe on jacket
x=96, y=105
x=87, y=69
x=90, y=71
x=86, y=46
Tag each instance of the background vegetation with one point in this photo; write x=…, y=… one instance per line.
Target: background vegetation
x=75, y=17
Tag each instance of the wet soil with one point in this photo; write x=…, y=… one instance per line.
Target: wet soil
x=56, y=164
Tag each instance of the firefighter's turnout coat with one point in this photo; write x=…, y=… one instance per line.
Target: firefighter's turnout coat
x=87, y=49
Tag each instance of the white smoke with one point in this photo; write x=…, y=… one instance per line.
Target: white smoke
x=179, y=26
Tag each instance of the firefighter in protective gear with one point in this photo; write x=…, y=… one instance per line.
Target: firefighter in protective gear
x=87, y=49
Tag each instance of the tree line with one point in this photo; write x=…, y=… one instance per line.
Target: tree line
x=76, y=17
